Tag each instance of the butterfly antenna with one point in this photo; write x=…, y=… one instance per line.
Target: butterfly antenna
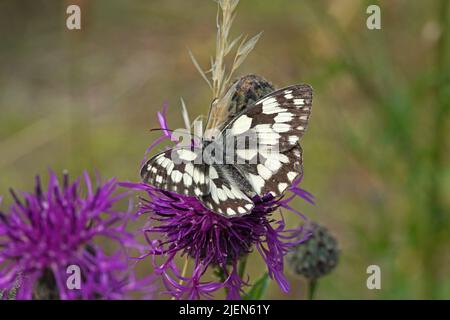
x=160, y=129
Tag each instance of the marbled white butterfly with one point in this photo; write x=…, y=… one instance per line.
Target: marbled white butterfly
x=278, y=121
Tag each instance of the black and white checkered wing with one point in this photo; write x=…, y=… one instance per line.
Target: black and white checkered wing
x=277, y=121
x=274, y=172
x=229, y=193
x=175, y=170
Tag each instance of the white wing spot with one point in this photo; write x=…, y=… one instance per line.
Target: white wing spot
x=165, y=162
x=299, y=102
x=213, y=192
x=228, y=192
x=196, y=175
x=263, y=128
x=270, y=138
x=215, y=197
x=170, y=168
x=160, y=159
x=268, y=101
x=283, y=117
x=273, y=164
x=187, y=180
x=201, y=177
x=257, y=182
x=247, y=154
x=282, y=186
x=291, y=175
x=264, y=172
x=293, y=139
x=283, y=158
x=273, y=110
x=213, y=173
x=221, y=194
x=301, y=128
x=189, y=168
x=242, y=124
x=187, y=155
x=176, y=176
x=241, y=210
x=231, y=212
x=271, y=106
x=281, y=127
x=237, y=193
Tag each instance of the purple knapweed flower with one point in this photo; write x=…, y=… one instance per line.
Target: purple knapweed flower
x=180, y=225
x=47, y=235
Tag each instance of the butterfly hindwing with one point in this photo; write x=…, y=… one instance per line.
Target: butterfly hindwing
x=228, y=191
x=274, y=172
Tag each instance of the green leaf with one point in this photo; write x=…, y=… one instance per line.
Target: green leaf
x=259, y=289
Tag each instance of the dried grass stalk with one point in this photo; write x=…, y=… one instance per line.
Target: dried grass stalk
x=221, y=76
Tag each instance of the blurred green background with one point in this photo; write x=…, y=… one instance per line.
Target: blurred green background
x=376, y=153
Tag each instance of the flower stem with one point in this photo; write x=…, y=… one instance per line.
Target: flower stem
x=183, y=272
x=220, y=273
x=242, y=266
x=312, y=286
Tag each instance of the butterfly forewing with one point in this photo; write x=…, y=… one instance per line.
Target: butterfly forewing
x=277, y=121
x=175, y=170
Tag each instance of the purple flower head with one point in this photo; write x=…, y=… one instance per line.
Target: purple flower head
x=180, y=225
x=48, y=234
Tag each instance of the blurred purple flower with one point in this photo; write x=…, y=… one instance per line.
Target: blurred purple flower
x=48, y=230
x=181, y=225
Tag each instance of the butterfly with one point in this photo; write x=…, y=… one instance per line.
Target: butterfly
x=277, y=120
